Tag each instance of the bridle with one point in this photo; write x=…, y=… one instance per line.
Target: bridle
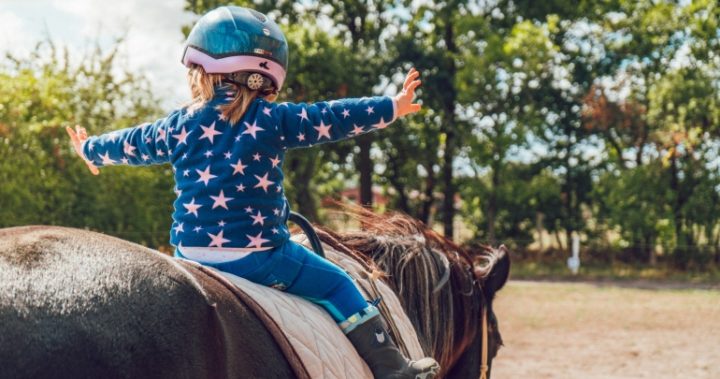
x=476, y=285
x=484, y=356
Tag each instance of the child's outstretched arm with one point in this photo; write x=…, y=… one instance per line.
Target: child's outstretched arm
x=304, y=125
x=142, y=145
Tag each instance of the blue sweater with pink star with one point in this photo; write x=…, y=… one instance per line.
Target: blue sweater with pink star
x=229, y=176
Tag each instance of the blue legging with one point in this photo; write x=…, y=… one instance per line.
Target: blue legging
x=297, y=270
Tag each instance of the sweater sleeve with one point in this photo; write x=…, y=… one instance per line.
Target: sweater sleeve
x=145, y=144
x=303, y=125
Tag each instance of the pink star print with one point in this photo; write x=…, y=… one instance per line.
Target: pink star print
x=106, y=159
x=210, y=133
x=217, y=239
x=303, y=115
x=357, y=130
x=192, y=207
x=221, y=200
x=239, y=167
x=381, y=125
x=182, y=136
x=128, y=149
x=205, y=176
x=258, y=219
x=263, y=182
x=275, y=161
x=252, y=129
x=161, y=135
x=256, y=241
x=323, y=130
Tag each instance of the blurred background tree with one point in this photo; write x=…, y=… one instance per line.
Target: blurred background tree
x=43, y=181
x=541, y=120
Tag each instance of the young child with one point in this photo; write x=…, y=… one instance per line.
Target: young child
x=227, y=149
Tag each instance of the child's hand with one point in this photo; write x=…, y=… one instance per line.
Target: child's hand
x=404, y=99
x=77, y=137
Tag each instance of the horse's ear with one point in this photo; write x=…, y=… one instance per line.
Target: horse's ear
x=499, y=273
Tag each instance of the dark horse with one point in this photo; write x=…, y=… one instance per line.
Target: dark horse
x=79, y=304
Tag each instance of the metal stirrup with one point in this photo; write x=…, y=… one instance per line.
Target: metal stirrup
x=309, y=231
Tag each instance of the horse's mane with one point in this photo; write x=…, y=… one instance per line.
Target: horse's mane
x=444, y=308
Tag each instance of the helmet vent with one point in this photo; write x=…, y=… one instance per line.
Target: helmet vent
x=258, y=15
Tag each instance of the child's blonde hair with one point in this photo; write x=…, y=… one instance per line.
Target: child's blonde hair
x=202, y=89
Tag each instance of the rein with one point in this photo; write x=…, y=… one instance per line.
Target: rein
x=484, y=356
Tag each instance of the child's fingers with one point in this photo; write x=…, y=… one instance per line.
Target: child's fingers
x=94, y=170
x=72, y=134
x=411, y=76
x=82, y=133
x=411, y=88
x=415, y=107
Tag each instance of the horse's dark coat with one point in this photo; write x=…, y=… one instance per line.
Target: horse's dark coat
x=79, y=304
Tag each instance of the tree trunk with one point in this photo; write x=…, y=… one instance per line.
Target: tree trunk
x=364, y=162
x=539, y=227
x=397, y=182
x=365, y=166
x=429, y=196
x=492, y=203
x=559, y=240
x=650, y=246
x=448, y=128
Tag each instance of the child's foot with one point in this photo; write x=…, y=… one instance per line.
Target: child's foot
x=385, y=360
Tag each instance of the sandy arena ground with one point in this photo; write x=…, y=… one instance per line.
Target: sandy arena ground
x=588, y=331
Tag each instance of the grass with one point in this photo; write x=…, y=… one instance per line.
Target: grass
x=614, y=272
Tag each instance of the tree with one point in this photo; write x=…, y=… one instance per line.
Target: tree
x=43, y=181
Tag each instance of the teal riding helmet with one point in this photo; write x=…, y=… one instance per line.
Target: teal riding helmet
x=232, y=40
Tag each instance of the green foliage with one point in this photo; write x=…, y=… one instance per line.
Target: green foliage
x=592, y=117
x=636, y=202
x=43, y=181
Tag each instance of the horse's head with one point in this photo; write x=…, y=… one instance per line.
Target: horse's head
x=443, y=287
x=491, y=268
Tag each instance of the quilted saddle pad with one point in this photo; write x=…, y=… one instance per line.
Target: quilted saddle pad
x=319, y=343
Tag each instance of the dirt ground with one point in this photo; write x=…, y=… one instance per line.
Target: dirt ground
x=593, y=331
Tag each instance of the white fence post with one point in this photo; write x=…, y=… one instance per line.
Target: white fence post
x=574, y=261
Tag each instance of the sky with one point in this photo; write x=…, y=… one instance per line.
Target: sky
x=152, y=31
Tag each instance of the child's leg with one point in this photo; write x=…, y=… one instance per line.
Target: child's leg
x=321, y=282
x=297, y=270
